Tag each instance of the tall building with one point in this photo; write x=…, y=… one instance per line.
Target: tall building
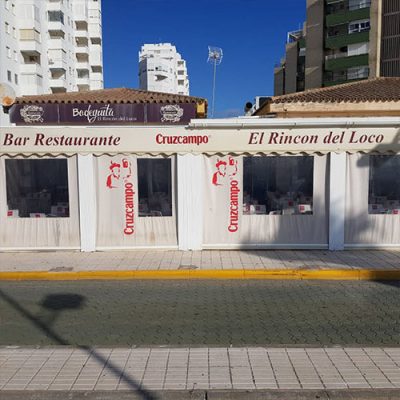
x=162, y=69
x=50, y=46
x=341, y=41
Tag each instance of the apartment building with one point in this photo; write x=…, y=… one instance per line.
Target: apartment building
x=341, y=41
x=50, y=46
x=162, y=69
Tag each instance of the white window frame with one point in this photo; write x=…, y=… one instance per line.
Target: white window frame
x=359, y=26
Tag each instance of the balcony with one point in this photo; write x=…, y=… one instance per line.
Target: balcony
x=30, y=47
x=83, y=81
x=84, y=87
x=338, y=77
x=58, y=64
x=83, y=65
x=95, y=30
x=79, y=50
x=55, y=5
x=31, y=69
x=58, y=83
x=81, y=34
x=337, y=7
x=336, y=42
x=96, y=56
x=96, y=76
x=347, y=16
x=346, y=62
x=55, y=26
x=96, y=84
x=56, y=44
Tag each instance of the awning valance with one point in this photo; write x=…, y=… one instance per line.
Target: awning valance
x=181, y=140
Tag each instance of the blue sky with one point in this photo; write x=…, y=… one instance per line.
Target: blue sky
x=252, y=34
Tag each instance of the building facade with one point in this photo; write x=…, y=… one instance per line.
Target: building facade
x=341, y=41
x=50, y=46
x=162, y=69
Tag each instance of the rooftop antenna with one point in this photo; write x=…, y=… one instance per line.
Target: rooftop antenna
x=214, y=57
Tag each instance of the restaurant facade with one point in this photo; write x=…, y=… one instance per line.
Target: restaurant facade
x=253, y=183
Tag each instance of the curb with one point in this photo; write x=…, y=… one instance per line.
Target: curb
x=210, y=394
x=287, y=274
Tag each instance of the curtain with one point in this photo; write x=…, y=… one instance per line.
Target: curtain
x=260, y=223
x=135, y=210
x=361, y=226
x=56, y=225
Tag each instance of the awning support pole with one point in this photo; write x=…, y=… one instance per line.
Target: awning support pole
x=190, y=201
x=337, y=200
x=87, y=202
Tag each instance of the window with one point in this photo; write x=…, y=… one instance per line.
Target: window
x=357, y=49
x=9, y=76
x=14, y=31
x=384, y=185
x=357, y=4
x=56, y=16
x=278, y=185
x=13, y=8
x=7, y=27
x=37, y=188
x=7, y=4
x=15, y=56
x=155, y=187
x=16, y=79
x=359, y=26
x=8, y=52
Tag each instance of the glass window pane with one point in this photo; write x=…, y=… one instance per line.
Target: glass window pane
x=37, y=188
x=278, y=185
x=155, y=187
x=384, y=185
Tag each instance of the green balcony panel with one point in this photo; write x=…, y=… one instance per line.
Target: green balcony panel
x=336, y=64
x=344, y=40
x=344, y=17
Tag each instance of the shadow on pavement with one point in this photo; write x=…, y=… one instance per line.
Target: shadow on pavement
x=56, y=303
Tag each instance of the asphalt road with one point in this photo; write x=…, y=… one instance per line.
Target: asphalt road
x=147, y=313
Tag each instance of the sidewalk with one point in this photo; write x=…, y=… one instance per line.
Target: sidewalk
x=236, y=264
x=248, y=368
x=200, y=372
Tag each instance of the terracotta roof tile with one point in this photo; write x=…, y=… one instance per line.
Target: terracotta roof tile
x=370, y=90
x=118, y=95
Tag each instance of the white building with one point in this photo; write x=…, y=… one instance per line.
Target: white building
x=162, y=69
x=50, y=46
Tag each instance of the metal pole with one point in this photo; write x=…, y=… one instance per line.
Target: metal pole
x=213, y=92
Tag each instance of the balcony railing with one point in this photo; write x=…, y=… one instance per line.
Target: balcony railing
x=344, y=76
x=58, y=82
x=344, y=6
x=335, y=56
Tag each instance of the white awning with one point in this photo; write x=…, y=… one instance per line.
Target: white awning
x=231, y=136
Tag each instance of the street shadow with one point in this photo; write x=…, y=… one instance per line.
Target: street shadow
x=54, y=305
